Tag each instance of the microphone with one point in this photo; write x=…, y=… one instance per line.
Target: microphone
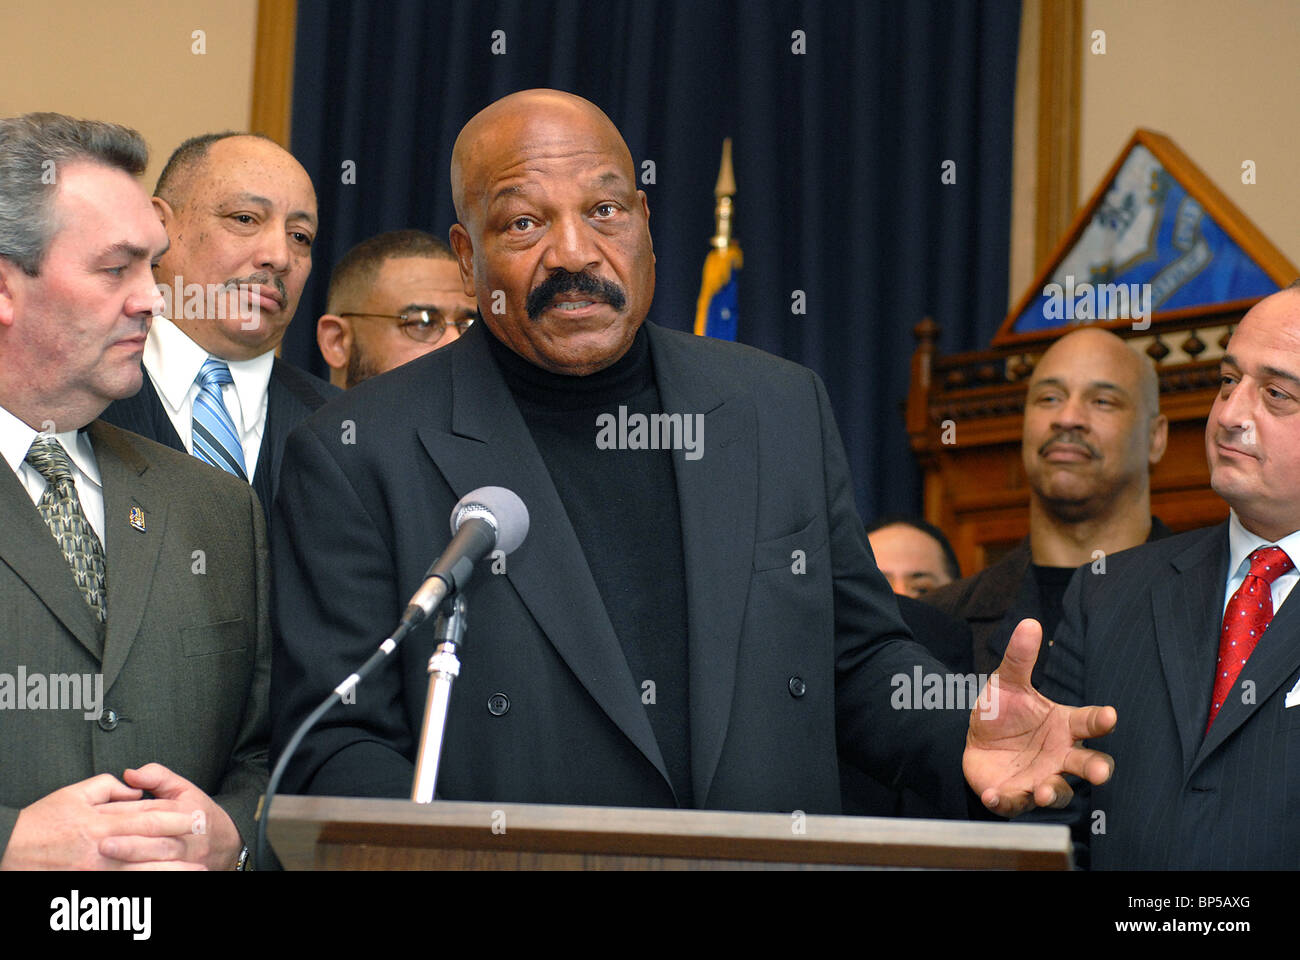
x=486, y=519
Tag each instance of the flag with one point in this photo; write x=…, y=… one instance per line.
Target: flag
x=717, y=311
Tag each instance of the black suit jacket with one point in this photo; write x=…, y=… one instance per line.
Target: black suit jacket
x=1144, y=637
x=997, y=598
x=292, y=396
x=948, y=640
x=793, y=633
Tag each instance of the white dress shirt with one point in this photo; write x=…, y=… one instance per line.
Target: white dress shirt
x=16, y=439
x=1241, y=544
x=173, y=361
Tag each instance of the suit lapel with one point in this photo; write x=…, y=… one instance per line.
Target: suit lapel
x=1002, y=597
x=29, y=549
x=292, y=395
x=1185, y=606
x=717, y=495
x=131, y=553
x=278, y=400
x=490, y=445
x=1273, y=662
x=1028, y=602
x=144, y=414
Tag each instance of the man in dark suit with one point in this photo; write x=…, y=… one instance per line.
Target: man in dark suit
x=948, y=640
x=241, y=215
x=915, y=558
x=1092, y=431
x=692, y=622
x=134, y=616
x=1208, y=755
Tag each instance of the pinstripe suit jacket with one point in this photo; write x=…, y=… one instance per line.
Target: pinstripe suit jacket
x=292, y=396
x=1144, y=638
x=185, y=654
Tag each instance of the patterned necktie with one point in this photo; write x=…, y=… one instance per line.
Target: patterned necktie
x=60, y=507
x=1244, y=622
x=215, y=439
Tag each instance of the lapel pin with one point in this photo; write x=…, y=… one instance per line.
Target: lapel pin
x=136, y=518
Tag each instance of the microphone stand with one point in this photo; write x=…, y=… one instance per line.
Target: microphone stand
x=443, y=669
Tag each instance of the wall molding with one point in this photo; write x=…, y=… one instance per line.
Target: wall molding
x=271, y=109
x=1045, y=178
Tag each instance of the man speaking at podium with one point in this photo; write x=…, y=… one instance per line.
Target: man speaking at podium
x=696, y=626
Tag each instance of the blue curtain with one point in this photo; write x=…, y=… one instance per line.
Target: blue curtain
x=840, y=156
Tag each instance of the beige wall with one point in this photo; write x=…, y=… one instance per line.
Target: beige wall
x=131, y=61
x=1221, y=79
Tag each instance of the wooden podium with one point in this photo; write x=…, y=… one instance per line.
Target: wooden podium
x=336, y=833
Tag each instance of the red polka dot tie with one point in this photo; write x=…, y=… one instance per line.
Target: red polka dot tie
x=1248, y=614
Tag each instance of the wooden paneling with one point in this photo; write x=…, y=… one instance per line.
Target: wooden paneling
x=975, y=485
x=1060, y=80
x=272, y=102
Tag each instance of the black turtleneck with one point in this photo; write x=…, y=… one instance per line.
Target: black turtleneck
x=623, y=507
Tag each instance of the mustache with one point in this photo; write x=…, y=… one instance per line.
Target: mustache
x=1074, y=439
x=562, y=281
x=261, y=280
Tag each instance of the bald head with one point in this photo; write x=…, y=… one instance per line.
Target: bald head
x=241, y=215
x=553, y=237
x=518, y=123
x=1109, y=354
x=1252, y=436
x=175, y=181
x=1093, y=427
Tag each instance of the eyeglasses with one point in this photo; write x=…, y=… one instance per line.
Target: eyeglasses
x=423, y=326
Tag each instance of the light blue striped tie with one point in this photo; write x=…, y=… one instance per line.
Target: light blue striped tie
x=215, y=439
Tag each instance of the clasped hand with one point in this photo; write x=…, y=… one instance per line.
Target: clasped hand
x=103, y=823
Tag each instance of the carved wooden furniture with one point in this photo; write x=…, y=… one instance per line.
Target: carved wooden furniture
x=964, y=411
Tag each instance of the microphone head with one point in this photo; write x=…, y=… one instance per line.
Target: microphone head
x=500, y=507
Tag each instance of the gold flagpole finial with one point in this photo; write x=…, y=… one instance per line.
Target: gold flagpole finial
x=726, y=186
x=723, y=258
x=723, y=191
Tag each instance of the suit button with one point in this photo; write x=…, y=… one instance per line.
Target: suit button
x=797, y=687
x=108, y=720
x=498, y=704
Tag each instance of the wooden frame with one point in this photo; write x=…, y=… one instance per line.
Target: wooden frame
x=1215, y=203
x=271, y=109
x=1060, y=79
x=1045, y=166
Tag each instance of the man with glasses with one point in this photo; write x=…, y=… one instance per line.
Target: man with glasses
x=240, y=212
x=392, y=298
